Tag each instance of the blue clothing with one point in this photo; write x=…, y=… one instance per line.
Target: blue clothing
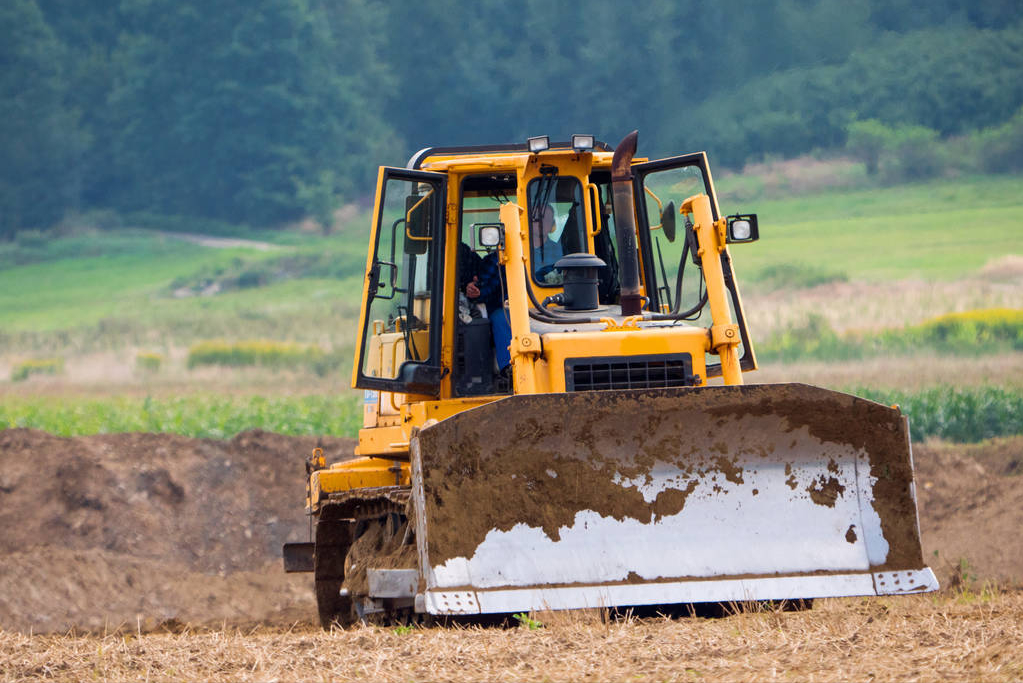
x=501, y=329
x=544, y=263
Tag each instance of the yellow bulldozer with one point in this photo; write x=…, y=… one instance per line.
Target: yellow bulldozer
x=551, y=346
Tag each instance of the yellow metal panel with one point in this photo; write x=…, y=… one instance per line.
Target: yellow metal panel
x=383, y=440
x=359, y=473
x=560, y=346
x=713, y=273
x=420, y=413
x=392, y=439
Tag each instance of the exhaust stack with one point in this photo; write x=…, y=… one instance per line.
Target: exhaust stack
x=625, y=207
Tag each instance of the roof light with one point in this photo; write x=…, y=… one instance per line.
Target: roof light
x=538, y=143
x=582, y=143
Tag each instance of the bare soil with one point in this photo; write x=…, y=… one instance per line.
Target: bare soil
x=102, y=530
x=139, y=531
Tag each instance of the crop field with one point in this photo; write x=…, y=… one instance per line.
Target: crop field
x=182, y=382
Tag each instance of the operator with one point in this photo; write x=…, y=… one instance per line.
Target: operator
x=546, y=251
x=487, y=288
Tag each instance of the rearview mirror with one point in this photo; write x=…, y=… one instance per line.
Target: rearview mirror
x=668, y=221
x=742, y=228
x=417, y=223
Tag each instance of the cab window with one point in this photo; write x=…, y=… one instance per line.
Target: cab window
x=557, y=225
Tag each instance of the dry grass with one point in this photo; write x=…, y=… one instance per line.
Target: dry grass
x=954, y=636
x=909, y=373
x=866, y=306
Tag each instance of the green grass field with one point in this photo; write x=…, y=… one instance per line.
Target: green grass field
x=940, y=230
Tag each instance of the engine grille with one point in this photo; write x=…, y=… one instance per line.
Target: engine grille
x=629, y=372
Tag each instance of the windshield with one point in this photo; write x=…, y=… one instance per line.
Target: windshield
x=557, y=225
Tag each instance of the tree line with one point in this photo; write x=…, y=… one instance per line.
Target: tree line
x=260, y=112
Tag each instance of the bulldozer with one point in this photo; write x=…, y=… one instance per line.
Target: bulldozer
x=584, y=438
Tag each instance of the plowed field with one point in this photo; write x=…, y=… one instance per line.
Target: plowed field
x=171, y=547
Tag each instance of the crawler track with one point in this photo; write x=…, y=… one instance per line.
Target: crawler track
x=342, y=521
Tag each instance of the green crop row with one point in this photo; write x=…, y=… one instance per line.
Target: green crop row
x=969, y=333
x=960, y=414
x=205, y=416
x=957, y=414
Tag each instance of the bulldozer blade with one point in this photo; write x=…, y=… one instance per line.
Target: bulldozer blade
x=658, y=497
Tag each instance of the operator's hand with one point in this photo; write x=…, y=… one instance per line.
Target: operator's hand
x=472, y=290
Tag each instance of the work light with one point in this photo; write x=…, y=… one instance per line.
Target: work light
x=582, y=143
x=538, y=144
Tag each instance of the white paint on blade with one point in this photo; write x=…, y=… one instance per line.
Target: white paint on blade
x=761, y=526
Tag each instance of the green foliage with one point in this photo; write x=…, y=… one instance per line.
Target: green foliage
x=904, y=153
x=1000, y=148
x=38, y=135
x=951, y=80
x=263, y=112
x=915, y=155
x=38, y=366
x=989, y=328
x=198, y=415
x=961, y=414
x=865, y=140
x=148, y=362
x=527, y=621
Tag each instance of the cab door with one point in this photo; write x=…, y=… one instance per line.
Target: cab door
x=673, y=272
x=400, y=320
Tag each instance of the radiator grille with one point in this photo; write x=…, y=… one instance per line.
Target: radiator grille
x=629, y=372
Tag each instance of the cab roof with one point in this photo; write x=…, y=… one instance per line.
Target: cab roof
x=416, y=161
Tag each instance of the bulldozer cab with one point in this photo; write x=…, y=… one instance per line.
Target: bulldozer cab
x=670, y=257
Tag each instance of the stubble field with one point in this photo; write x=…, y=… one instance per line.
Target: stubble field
x=921, y=639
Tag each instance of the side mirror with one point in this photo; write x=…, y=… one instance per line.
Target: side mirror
x=742, y=228
x=668, y=221
x=418, y=209
x=489, y=235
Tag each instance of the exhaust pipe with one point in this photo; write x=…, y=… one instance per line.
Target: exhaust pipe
x=625, y=232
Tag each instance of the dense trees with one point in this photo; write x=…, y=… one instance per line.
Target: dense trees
x=262, y=111
x=39, y=134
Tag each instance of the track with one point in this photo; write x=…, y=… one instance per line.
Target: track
x=353, y=530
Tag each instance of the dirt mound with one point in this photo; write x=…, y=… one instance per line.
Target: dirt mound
x=112, y=530
x=971, y=509
x=100, y=529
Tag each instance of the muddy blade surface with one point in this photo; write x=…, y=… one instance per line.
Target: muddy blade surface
x=614, y=498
